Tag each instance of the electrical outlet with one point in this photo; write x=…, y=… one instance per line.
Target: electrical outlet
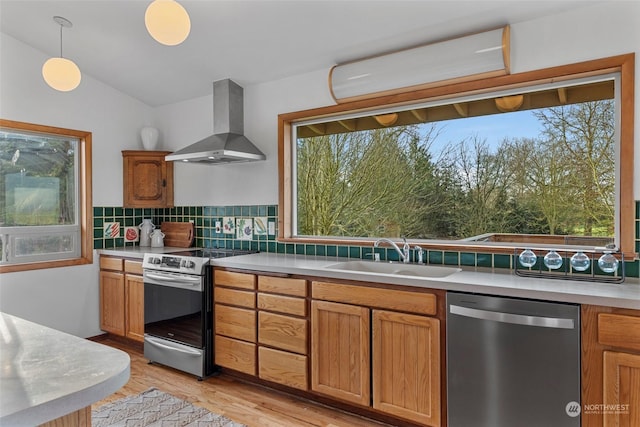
x=218, y=226
x=272, y=228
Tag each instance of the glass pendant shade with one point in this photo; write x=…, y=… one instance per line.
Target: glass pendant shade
x=167, y=22
x=61, y=74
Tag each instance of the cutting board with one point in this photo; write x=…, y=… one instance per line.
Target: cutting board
x=178, y=234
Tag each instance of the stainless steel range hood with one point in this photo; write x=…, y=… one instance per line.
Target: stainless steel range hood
x=228, y=143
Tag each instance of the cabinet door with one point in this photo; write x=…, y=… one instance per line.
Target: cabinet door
x=406, y=366
x=621, y=389
x=340, y=365
x=147, y=179
x=134, y=313
x=112, y=318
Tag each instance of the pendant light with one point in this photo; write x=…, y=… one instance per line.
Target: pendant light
x=167, y=22
x=60, y=73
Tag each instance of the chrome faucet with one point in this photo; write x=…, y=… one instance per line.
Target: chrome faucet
x=402, y=253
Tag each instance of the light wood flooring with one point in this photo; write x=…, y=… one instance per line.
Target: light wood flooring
x=242, y=402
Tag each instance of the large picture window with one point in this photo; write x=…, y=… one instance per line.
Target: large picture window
x=536, y=158
x=45, y=196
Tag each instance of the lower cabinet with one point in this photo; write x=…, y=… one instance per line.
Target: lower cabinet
x=366, y=354
x=367, y=346
x=621, y=389
x=610, y=367
x=122, y=297
x=235, y=321
x=283, y=331
x=134, y=312
x=406, y=366
x=112, y=307
x=340, y=343
x=283, y=367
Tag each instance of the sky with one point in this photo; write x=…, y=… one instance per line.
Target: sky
x=494, y=128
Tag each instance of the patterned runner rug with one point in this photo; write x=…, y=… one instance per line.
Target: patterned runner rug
x=154, y=408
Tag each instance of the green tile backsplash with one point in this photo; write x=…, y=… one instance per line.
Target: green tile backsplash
x=206, y=235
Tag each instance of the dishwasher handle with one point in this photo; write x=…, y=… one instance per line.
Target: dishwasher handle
x=516, y=319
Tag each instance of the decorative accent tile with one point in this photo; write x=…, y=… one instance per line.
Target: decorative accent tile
x=244, y=229
x=111, y=230
x=229, y=225
x=260, y=225
x=131, y=234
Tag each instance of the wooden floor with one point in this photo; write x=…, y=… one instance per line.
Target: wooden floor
x=242, y=402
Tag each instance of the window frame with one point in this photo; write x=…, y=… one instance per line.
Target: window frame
x=84, y=191
x=622, y=64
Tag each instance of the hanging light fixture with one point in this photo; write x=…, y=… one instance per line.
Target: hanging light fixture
x=60, y=73
x=167, y=22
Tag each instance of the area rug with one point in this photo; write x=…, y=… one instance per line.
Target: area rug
x=155, y=408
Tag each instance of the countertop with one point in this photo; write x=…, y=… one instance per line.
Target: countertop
x=476, y=280
x=139, y=251
x=46, y=374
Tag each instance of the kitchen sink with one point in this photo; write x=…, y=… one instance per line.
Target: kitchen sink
x=394, y=268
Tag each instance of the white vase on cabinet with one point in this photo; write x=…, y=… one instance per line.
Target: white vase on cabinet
x=149, y=136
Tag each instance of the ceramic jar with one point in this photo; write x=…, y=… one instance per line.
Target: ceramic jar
x=145, y=232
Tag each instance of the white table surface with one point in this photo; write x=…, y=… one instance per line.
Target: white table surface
x=46, y=374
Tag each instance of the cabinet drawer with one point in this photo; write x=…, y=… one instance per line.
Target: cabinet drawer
x=282, y=304
x=283, y=368
x=619, y=330
x=110, y=263
x=282, y=332
x=414, y=302
x=283, y=285
x=134, y=267
x=235, y=322
x=235, y=280
x=234, y=297
x=234, y=354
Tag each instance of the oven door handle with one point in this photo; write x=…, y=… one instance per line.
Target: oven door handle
x=181, y=349
x=182, y=280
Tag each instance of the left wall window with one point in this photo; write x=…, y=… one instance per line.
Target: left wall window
x=45, y=196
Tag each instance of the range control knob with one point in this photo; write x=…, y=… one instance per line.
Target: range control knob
x=189, y=264
x=154, y=260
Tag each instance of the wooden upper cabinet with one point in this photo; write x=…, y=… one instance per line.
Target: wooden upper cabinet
x=147, y=179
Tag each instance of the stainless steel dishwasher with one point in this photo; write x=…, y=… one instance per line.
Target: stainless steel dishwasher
x=512, y=362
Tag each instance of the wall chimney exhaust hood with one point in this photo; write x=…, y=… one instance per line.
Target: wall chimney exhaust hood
x=228, y=143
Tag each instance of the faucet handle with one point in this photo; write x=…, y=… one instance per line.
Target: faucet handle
x=419, y=253
x=374, y=255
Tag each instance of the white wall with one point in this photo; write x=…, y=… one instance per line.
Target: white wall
x=67, y=298
x=589, y=33
x=240, y=183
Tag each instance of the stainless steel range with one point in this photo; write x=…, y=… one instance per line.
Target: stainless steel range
x=178, y=309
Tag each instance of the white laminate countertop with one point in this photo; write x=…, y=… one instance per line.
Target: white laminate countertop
x=501, y=282
x=46, y=374
x=139, y=251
